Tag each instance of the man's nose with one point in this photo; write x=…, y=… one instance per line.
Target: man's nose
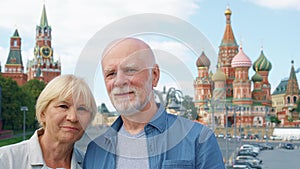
x=121, y=79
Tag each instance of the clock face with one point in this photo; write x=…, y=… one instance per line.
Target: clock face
x=46, y=51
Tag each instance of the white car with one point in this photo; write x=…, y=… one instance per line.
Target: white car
x=250, y=147
x=274, y=137
x=292, y=138
x=254, y=160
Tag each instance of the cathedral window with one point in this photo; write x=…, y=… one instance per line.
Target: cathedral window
x=295, y=99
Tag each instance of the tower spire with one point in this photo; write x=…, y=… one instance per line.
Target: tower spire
x=44, y=20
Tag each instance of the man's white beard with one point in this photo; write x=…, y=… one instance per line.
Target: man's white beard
x=125, y=106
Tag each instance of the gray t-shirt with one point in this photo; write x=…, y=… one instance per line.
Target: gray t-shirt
x=131, y=150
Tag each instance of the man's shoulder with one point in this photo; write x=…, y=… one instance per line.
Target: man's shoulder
x=195, y=128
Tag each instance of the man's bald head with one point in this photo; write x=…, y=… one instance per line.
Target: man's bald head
x=130, y=46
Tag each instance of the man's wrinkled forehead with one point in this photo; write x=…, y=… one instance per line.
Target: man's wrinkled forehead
x=128, y=50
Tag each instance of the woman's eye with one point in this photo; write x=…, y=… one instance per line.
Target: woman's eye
x=63, y=106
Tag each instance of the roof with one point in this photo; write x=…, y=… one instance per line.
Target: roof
x=262, y=63
x=203, y=61
x=228, y=38
x=281, y=88
x=241, y=60
x=44, y=20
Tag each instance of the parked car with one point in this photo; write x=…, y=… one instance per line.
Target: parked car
x=254, y=160
x=247, y=153
x=249, y=164
x=250, y=147
x=241, y=165
x=267, y=146
x=275, y=137
x=292, y=138
x=288, y=146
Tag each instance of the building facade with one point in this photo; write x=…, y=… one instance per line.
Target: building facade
x=229, y=91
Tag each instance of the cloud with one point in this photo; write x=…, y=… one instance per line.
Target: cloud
x=73, y=22
x=278, y=4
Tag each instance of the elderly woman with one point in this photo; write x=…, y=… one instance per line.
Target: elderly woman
x=64, y=109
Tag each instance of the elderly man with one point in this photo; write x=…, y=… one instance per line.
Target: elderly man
x=144, y=135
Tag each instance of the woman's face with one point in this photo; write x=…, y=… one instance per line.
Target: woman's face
x=66, y=120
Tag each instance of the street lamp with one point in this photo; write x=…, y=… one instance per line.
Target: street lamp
x=266, y=116
x=212, y=103
x=24, y=109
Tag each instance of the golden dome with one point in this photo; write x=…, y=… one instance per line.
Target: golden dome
x=227, y=11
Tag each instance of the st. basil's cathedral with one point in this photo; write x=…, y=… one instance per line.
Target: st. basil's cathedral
x=228, y=92
x=42, y=66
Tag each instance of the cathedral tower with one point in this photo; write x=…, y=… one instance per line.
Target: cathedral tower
x=263, y=67
x=202, y=84
x=227, y=50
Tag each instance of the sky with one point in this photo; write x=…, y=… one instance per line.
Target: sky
x=169, y=27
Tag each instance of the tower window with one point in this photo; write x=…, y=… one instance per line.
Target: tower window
x=15, y=43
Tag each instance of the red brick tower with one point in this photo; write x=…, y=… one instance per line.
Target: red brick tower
x=14, y=65
x=43, y=67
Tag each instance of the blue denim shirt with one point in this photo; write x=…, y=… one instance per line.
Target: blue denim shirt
x=172, y=142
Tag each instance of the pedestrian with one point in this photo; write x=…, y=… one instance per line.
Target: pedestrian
x=145, y=135
x=64, y=109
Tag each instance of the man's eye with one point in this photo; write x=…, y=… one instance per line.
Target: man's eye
x=82, y=109
x=131, y=71
x=111, y=74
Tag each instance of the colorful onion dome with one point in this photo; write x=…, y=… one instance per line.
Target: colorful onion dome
x=241, y=60
x=219, y=75
x=203, y=60
x=262, y=63
x=257, y=77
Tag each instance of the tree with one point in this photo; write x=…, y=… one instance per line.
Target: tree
x=32, y=90
x=275, y=120
x=11, y=103
x=190, y=106
x=13, y=97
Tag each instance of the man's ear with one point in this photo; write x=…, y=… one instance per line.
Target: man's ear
x=155, y=75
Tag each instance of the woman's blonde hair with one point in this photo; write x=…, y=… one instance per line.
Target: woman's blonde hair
x=63, y=87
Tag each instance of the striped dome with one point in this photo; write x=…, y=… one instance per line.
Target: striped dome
x=257, y=77
x=219, y=76
x=203, y=60
x=241, y=60
x=262, y=63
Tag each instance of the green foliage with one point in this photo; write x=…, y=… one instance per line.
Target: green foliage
x=275, y=120
x=13, y=97
x=190, y=107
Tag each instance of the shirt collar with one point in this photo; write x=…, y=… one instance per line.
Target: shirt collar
x=157, y=121
x=34, y=149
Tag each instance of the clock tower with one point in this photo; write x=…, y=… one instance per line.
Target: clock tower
x=43, y=66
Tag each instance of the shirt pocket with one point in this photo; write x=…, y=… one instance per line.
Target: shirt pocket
x=177, y=164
